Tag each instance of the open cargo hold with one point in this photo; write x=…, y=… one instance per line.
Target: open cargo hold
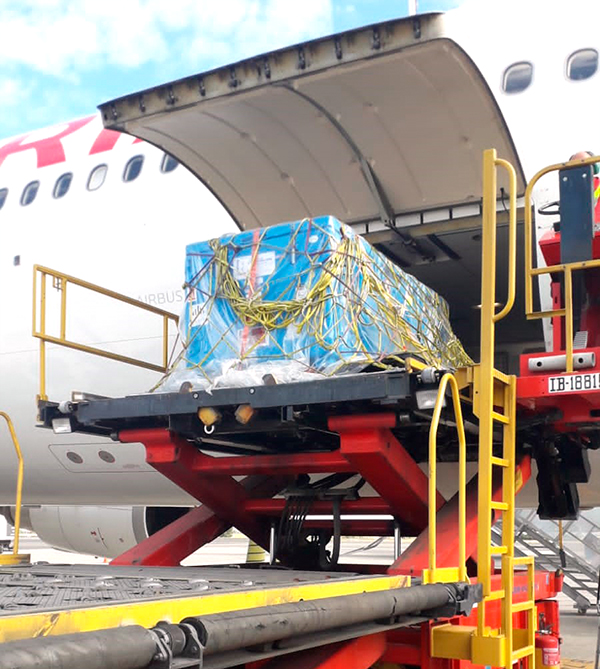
x=303, y=299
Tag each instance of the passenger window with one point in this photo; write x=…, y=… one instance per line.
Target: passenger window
x=517, y=77
x=62, y=185
x=168, y=164
x=582, y=64
x=133, y=168
x=29, y=193
x=97, y=176
x=3, y=196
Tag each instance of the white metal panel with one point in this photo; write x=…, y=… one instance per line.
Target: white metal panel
x=366, y=125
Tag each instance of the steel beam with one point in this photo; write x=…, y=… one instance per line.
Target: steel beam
x=173, y=543
x=282, y=463
x=366, y=505
x=369, y=445
x=173, y=457
x=355, y=528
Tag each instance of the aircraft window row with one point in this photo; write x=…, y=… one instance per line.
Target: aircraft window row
x=581, y=64
x=96, y=179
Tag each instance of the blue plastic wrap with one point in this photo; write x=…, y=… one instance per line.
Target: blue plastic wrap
x=300, y=299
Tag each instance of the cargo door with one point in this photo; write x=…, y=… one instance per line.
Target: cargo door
x=383, y=127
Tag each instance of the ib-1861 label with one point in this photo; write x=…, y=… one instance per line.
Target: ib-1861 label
x=574, y=383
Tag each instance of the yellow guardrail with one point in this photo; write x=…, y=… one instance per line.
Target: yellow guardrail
x=61, y=281
x=497, y=404
x=567, y=269
x=19, y=496
x=459, y=573
x=488, y=375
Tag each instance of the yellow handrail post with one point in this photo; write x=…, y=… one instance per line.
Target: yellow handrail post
x=19, y=496
x=63, y=309
x=432, y=572
x=486, y=388
x=43, y=395
x=486, y=401
x=512, y=237
x=569, y=318
x=165, y=341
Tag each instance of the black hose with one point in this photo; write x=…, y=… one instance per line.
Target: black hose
x=222, y=632
x=130, y=647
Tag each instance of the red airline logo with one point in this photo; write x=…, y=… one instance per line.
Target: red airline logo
x=50, y=150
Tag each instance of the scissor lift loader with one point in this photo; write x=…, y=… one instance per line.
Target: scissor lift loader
x=452, y=598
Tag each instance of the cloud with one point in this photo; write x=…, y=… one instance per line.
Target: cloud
x=60, y=58
x=63, y=38
x=11, y=93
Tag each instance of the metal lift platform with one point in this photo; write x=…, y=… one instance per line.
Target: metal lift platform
x=302, y=406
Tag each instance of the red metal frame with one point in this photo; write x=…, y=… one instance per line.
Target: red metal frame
x=416, y=557
x=575, y=408
x=368, y=443
x=533, y=394
x=173, y=543
x=367, y=447
x=360, y=653
x=173, y=457
x=283, y=464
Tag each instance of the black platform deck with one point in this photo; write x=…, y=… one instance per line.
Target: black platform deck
x=286, y=416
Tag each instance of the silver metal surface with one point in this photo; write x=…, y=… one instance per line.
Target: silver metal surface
x=366, y=125
x=397, y=541
x=53, y=587
x=558, y=363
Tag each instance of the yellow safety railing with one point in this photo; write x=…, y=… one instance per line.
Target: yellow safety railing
x=567, y=269
x=496, y=403
x=61, y=281
x=16, y=557
x=459, y=573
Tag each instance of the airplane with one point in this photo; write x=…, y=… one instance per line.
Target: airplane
x=118, y=212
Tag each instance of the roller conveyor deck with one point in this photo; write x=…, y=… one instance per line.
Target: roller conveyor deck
x=201, y=616
x=57, y=589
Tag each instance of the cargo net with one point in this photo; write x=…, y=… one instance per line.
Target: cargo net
x=297, y=300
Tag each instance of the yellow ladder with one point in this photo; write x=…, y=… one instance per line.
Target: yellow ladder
x=494, y=402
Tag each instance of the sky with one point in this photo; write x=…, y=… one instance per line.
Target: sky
x=62, y=58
